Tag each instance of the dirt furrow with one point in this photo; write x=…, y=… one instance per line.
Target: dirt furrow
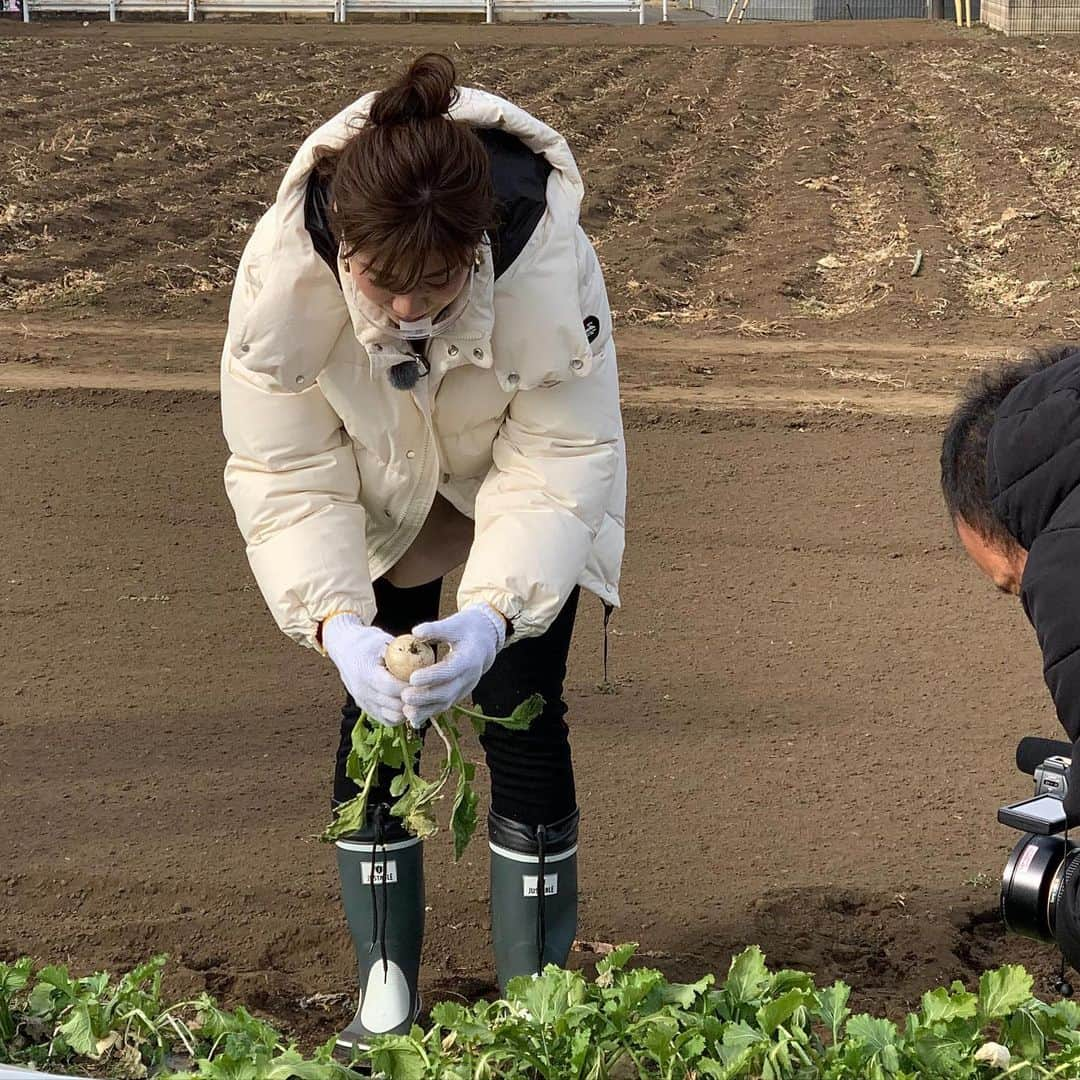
x=1015, y=245
x=677, y=216
x=786, y=194
x=189, y=76
x=622, y=136
x=889, y=243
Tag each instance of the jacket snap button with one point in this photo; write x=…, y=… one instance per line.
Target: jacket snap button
x=300, y=380
x=376, y=347
x=452, y=351
x=513, y=377
x=478, y=353
x=245, y=347
x=410, y=454
x=577, y=363
x=387, y=513
x=446, y=478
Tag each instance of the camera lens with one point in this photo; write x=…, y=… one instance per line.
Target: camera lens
x=1032, y=883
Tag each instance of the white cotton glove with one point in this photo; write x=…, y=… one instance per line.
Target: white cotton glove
x=358, y=652
x=475, y=637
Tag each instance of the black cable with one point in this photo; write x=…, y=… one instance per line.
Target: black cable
x=1064, y=987
x=379, y=918
x=608, y=609
x=385, y=916
x=374, y=902
x=541, y=897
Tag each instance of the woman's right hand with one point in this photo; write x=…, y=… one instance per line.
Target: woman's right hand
x=358, y=652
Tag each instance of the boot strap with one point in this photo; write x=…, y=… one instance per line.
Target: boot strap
x=521, y=839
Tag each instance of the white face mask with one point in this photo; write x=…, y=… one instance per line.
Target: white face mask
x=427, y=328
x=420, y=330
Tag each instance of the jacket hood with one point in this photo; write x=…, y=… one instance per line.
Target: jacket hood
x=299, y=298
x=476, y=107
x=1033, y=451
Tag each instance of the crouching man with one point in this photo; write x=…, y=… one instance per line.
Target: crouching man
x=1010, y=474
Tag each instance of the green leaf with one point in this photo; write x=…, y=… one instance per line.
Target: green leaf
x=549, y=997
x=522, y=717
x=636, y=986
x=617, y=959
x=879, y=1036
x=943, y=1054
x=42, y=1001
x=78, y=1030
x=1003, y=991
x=684, y=995
x=398, y=1057
x=349, y=817
x=714, y=1070
x=874, y=1031
x=747, y=976
x=832, y=1007
x=940, y=1007
x=452, y=1017
x=1023, y=1035
x=774, y=1013
x=658, y=1040
x=738, y=1037
x=291, y=1066
x=57, y=979
x=785, y=980
x=228, y=1066
x=463, y=812
x=15, y=976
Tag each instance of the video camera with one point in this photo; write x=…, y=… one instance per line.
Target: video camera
x=1044, y=860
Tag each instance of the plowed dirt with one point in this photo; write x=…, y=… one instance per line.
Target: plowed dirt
x=815, y=699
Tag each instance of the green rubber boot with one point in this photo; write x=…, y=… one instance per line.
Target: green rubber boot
x=532, y=926
x=382, y=888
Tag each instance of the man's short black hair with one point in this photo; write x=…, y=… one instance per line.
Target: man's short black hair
x=963, y=449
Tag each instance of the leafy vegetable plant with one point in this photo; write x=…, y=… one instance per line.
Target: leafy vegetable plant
x=628, y=1022
x=374, y=744
x=755, y=1025
x=48, y=1019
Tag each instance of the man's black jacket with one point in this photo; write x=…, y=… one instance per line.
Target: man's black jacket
x=1033, y=479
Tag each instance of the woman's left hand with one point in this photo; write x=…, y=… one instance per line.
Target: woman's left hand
x=475, y=636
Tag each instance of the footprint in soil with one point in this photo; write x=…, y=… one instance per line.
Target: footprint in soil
x=889, y=947
x=464, y=990
x=983, y=942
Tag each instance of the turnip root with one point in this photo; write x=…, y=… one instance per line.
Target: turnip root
x=995, y=1055
x=407, y=654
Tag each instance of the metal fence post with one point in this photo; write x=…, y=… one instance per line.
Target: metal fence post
x=190, y=10
x=112, y=10
x=489, y=11
x=26, y=11
x=641, y=12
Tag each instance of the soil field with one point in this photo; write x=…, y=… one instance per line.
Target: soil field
x=819, y=776
x=762, y=190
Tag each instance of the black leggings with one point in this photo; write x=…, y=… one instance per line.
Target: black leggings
x=532, y=776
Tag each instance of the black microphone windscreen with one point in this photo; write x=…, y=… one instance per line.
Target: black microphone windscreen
x=406, y=375
x=1031, y=752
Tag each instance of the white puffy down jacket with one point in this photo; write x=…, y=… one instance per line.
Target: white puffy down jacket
x=328, y=461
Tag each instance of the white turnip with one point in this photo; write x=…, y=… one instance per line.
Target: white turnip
x=407, y=654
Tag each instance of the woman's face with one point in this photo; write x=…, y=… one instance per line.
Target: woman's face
x=440, y=286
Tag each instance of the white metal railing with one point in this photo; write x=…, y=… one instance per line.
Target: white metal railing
x=339, y=10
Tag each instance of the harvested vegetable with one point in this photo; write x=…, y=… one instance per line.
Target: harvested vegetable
x=375, y=744
x=407, y=654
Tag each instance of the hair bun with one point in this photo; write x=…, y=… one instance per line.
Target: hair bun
x=428, y=89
